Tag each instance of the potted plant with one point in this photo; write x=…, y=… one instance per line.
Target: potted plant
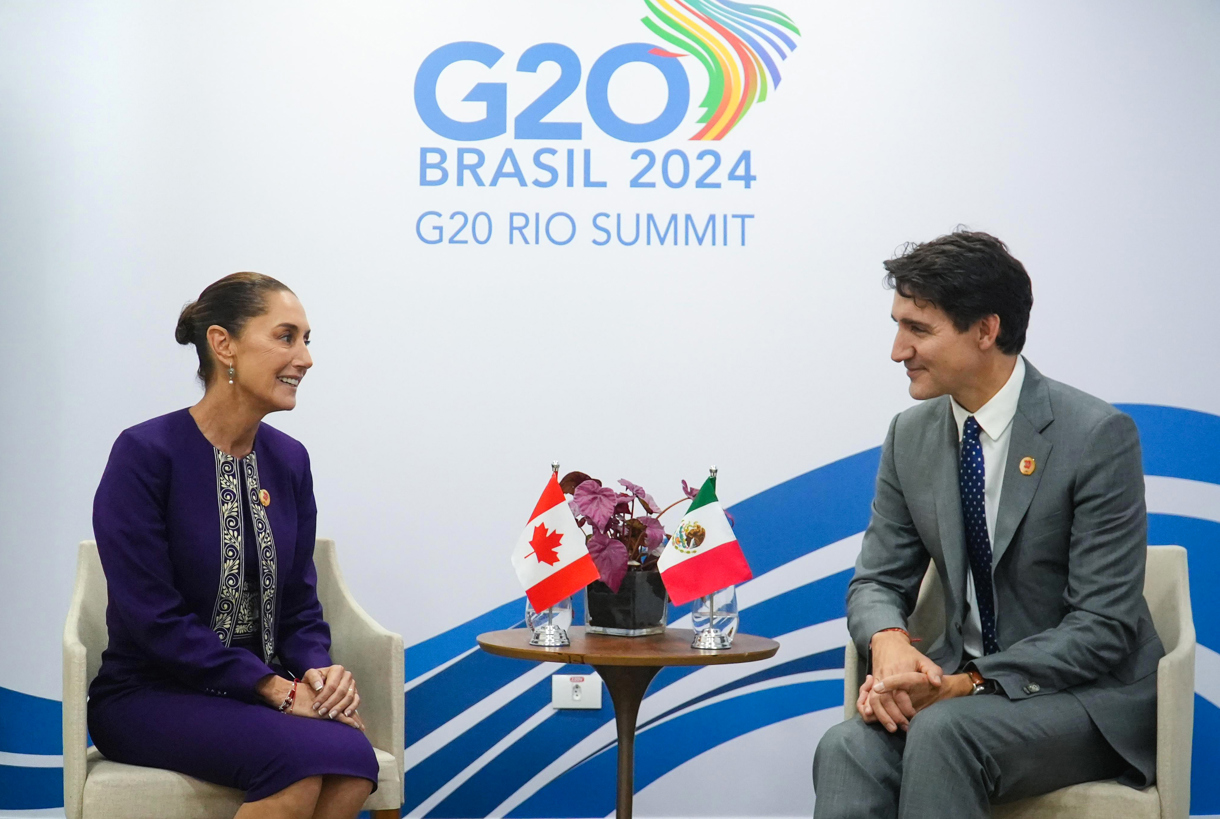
x=625, y=537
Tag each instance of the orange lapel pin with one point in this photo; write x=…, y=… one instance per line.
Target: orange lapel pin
x=264, y=497
x=1028, y=465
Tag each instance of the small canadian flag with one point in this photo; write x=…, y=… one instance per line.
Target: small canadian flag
x=550, y=556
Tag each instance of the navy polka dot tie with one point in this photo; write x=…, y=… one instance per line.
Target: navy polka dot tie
x=971, y=479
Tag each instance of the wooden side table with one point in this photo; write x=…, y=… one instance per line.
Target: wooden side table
x=627, y=664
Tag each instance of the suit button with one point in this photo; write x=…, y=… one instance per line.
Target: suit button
x=1032, y=688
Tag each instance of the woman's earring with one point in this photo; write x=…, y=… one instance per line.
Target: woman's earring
x=231, y=374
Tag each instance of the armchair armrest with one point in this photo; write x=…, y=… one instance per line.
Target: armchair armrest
x=1175, y=713
x=373, y=654
x=851, y=680
x=76, y=689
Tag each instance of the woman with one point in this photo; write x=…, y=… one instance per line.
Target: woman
x=205, y=523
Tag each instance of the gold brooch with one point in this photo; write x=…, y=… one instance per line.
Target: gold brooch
x=264, y=497
x=1028, y=465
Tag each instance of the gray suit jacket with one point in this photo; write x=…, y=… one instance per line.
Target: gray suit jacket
x=1068, y=554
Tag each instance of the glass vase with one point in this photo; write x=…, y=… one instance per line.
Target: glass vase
x=637, y=609
x=714, y=619
x=550, y=626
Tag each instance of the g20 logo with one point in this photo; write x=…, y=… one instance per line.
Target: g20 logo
x=528, y=124
x=739, y=45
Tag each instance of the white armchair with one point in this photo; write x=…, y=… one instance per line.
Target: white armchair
x=1167, y=590
x=97, y=788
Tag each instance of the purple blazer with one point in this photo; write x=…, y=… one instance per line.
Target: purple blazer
x=168, y=518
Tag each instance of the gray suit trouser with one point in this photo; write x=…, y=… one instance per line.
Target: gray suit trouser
x=958, y=756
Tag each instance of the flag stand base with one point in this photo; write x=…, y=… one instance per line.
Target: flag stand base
x=549, y=635
x=712, y=639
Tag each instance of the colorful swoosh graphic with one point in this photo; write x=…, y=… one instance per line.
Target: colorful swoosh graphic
x=737, y=43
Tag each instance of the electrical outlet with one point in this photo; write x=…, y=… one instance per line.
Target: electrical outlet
x=576, y=691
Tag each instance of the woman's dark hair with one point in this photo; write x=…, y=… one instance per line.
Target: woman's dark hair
x=228, y=303
x=969, y=275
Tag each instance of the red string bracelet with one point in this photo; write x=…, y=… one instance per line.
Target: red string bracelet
x=904, y=631
x=290, y=700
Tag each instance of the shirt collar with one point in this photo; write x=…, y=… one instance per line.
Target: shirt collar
x=994, y=416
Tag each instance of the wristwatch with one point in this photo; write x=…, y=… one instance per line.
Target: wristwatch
x=981, y=686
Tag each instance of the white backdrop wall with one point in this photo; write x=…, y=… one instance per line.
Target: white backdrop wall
x=147, y=149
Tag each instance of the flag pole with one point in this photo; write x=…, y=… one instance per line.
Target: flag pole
x=711, y=637
x=549, y=634
x=550, y=610
x=711, y=598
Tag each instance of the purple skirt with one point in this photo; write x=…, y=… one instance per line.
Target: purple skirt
x=226, y=741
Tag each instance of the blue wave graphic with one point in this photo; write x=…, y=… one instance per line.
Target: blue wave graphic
x=31, y=725
x=814, y=662
x=587, y=790
x=778, y=526
x=436, y=651
x=31, y=788
x=1177, y=443
x=821, y=661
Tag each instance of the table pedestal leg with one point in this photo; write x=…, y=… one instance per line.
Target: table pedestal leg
x=627, y=684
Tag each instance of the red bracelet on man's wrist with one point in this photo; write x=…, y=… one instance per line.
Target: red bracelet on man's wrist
x=904, y=631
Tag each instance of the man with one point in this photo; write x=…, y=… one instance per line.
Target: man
x=1028, y=496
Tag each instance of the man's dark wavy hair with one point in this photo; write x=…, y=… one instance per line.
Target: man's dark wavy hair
x=969, y=275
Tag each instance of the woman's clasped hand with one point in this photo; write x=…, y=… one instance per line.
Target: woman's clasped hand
x=321, y=693
x=334, y=694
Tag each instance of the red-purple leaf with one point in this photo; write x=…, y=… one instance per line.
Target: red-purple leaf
x=610, y=557
x=650, y=505
x=570, y=481
x=654, y=532
x=595, y=503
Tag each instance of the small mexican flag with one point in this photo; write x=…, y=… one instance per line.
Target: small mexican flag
x=703, y=555
x=550, y=556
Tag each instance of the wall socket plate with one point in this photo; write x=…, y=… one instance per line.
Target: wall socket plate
x=576, y=691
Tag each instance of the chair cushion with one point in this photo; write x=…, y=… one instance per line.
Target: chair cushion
x=389, y=785
x=117, y=791
x=1091, y=800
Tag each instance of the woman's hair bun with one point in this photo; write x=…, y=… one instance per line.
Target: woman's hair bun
x=184, y=333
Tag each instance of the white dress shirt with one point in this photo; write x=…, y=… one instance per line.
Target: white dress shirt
x=995, y=419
